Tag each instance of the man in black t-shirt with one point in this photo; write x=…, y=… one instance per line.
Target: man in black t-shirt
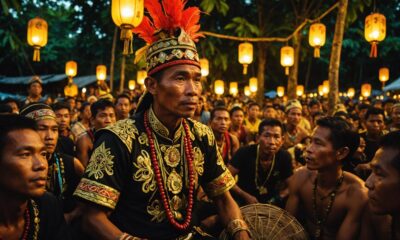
x=27, y=211
x=263, y=168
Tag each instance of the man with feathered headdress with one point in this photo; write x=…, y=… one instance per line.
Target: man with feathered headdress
x=144, y=173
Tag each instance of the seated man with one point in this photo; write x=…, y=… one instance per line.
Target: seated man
x=264, y=168
x=27, y=211
x=65, y=171
x=103, y=115
x=382, y=220
x=327, y=200
x=227, y=143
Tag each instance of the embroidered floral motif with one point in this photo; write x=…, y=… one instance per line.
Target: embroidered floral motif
x=144, y=172
x=198, y=161
x=155, y=210
x=101, y=161
x=126, y=131
x=202, y=130
x=143, y=140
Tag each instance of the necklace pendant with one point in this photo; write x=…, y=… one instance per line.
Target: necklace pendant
x=174, y=182
x=172, y=156
x=263, y=190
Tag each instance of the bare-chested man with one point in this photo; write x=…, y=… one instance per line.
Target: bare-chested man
x=327, y=200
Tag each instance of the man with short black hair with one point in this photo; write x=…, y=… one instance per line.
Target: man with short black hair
x=384, y=191
x=237, y=127
x=227, y=143
x=264, y=168
x=66, y=139
x=122, y=106
x=327, y=200
x=26, y=210
x=102, y=115
x=252, y=121
x=34, y=90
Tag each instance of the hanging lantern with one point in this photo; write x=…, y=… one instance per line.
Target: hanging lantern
x=71, y=90
x=84, y=90
x=141, y=76
x=316, y=37
x=321, y=90
x=37, y=36
x=280, y=91
x=245, y=55
x=219, y=87
x=101, y=72
x=233, y=88
x=325, y=85
x=299, y=90
x=204, y=66
x=247, y=91
x=131, y=85
x=351, y=92
x=375, y=31
x=287, y=58
x=383, y=74
x=366, y=90
x=253, y=84
x=127, y=14
x=71, y=69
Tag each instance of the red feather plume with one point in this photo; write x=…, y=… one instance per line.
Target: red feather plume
x=167, y=18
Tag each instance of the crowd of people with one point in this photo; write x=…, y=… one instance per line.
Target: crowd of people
x=173, y=161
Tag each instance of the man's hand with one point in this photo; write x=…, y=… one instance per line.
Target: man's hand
x=249, y=199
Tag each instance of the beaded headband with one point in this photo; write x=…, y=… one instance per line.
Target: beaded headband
x=38, y=111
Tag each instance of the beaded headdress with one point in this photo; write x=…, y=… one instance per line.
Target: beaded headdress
x=38, y=111
x=170, y=33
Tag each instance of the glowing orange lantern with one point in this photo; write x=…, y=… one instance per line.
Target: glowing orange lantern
x=280, y=90
x=141, y=76
x=316, y=37
x=351, y=92
x=253, y=84
x=233, y=88
x=219, y=87
x=204, y=66
x=375, y=31
x=37, y=36
x=127, y=14
x=245, y=55
x=325, y=85
x=101, y=72
x=299, y=90
x=366, y=89
x=321, y=90
x=287, y=58
x=71, y=69
x=383, y=74
x=247, y=91
x=131, y=84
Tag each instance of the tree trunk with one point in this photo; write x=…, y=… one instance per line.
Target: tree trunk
x=262, y=59
x=334, y=63
x=262, y=55
x=114, y=44
x=293, y=74
x=122, y=78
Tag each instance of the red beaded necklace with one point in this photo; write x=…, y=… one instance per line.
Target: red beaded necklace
x=189, y=157
x=27, y=224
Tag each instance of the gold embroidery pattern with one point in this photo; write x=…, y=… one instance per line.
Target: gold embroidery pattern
x=125, y=130
x=220, y=185
x=155, y=210
x=198, y=161
x=156, y=125
x=202, y=130
x=220, y=160
x=171, y=156
x=101, y=161
x=143, y=140
x=145, y=172
x=97, y=193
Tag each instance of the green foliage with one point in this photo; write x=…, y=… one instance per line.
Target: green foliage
x=243, y=28
x=220, y=5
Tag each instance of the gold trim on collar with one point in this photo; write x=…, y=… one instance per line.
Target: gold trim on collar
x=160, y=129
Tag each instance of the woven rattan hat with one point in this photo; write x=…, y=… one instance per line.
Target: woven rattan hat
x=268, y=222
